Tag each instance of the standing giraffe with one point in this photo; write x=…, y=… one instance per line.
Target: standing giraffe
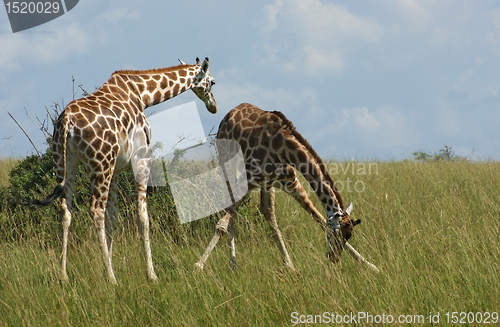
x=107, y=131
x=273, y=152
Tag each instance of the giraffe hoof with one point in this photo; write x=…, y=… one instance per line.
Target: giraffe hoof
x=153, y=278
x=111, y=278
x=64, y=278
x=291, y=267
x=222, y=226
x=221, y=229
x=199, y=266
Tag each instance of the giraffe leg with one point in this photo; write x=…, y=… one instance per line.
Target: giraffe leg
x=97, y=211
x=232, y=245
x=111, y=212
x=65, y=213
x=142, y=176
x=297, y=191
x=223, y=225
x=66, y=222
x=267, y=207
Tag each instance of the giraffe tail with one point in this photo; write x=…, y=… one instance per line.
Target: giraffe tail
x=58, y=191
x=64, y=122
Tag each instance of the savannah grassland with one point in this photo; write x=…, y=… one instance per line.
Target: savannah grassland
x=431, y=227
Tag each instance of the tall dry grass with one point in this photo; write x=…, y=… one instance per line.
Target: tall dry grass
x=431, y=228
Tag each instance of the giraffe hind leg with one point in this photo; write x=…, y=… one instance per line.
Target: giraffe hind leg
x=142, y=176
x=97, y=211
x=65, y=212
x=267, y=207
x=223, y=226
x=65, y=222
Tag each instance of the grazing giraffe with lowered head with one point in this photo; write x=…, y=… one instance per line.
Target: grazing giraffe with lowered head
x=273, y=152
x=107, y=131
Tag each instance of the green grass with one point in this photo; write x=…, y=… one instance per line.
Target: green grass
x=432, y=229
x=6, y=164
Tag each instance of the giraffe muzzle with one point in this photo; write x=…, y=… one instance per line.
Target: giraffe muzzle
x=211, y=106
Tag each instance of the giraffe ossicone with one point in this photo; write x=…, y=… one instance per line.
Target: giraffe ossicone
x=107, y=131
x=274, y=153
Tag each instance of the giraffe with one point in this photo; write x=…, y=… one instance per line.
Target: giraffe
x=274, y=152
x=107, y=131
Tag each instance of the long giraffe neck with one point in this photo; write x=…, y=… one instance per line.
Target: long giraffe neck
x=315, y=172
x=149, y=87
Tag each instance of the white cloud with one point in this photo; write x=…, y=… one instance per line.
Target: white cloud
x=41, y=48
x=493, y=33
x=313, y=37
x=317, y=60
x=119, y=14
x=414, y=10
x=231, y=92
x=362, y=118
x=363, y=130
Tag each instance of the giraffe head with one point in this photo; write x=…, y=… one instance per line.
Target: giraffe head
x=202, y=86
x=340, y=227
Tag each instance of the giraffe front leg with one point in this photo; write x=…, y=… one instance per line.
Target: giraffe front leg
x=220, y=229
x=297, y=191
x=232, y=245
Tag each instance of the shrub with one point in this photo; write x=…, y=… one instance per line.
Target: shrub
x=446, y=154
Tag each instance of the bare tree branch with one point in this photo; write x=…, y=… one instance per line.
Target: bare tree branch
x=38, y=153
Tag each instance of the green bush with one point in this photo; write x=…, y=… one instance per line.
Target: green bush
x=446, y=154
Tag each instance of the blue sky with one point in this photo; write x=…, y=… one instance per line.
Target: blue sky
x=359, y=79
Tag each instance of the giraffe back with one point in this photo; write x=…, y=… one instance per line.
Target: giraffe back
x=269, y=141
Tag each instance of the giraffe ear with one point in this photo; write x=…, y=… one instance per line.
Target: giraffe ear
x=348, y=210
x=182, y=62
x=204, y=66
